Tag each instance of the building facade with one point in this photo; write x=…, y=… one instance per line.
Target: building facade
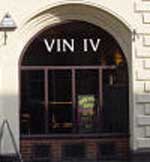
x=115, y=27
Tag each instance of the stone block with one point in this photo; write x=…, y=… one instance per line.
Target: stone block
x=147, y=64
x=147, y=131
x=146, y=18
x=143, y=142
x=147, y=87
x=146, y=40
x=147, y=109
x=139, y=86
x=143, y=120
x=143, y=53
x=143, y=75
x=142, y=6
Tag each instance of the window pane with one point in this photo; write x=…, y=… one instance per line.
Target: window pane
x=87, y=89
x=60, y=101
x=59, y=84
x=115, y=101
x=32, y=102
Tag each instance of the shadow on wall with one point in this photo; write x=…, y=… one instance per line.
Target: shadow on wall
x=10, y=112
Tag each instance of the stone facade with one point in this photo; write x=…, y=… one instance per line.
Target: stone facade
x=130, y=25
x=142, y=49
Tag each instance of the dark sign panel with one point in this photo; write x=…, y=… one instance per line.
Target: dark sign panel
x=74, y=43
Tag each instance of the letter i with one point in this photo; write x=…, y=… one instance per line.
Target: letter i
x=58, y=45
x=85, y=46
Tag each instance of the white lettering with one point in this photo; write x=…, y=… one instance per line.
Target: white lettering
x=94, y=46
x=66, y=45
x=58, y=45
x=50, y=46
x=85, y=45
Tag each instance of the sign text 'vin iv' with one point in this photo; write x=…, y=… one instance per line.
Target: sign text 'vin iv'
x=71, y=45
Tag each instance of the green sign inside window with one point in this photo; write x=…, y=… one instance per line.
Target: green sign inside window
x=86, y=108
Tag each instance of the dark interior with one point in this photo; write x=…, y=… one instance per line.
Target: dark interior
x=74, y=92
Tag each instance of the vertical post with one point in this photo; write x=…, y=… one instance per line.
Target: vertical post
x=5, y=37
x=99, y=111
x=46, y=99
x=74, y=100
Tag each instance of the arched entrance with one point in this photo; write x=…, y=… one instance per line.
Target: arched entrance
x=74, y=94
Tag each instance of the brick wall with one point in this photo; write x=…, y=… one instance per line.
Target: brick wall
x=56, y=147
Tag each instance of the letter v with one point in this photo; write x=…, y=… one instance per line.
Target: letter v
x=50, y=46
x=94, y=46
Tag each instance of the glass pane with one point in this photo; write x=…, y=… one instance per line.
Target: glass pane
x=32, y=102
x=60, y=101
x=115, y=101
x=59, y=85
x=87, y=90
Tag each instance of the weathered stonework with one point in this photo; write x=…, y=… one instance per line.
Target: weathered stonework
x=146, y=40
x=143, y=120
x=147, y=64
x=147, y=109
x=143, y=143
x=142, y=8
x=146, y=18
x=147, y=87
x=147, y=131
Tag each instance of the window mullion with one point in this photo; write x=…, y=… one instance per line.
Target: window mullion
x=74, y=101
x=46, y=99
x=100, y=109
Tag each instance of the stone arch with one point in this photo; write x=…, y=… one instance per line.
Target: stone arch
x=85, y=12
x=101, y=17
